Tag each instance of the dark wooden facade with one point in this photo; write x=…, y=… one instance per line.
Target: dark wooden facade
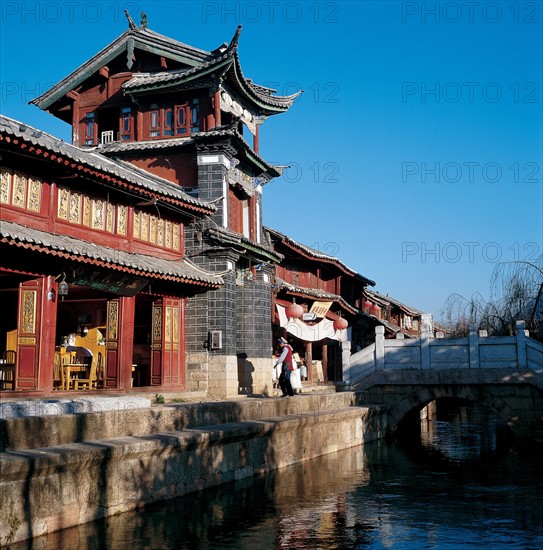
x=325, y=286
x=179, y=113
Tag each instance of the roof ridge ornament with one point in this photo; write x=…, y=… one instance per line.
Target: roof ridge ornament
x=131, y=25
x=235, y=39
x=144, y=23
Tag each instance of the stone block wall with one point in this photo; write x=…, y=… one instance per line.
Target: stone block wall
x=58, y=487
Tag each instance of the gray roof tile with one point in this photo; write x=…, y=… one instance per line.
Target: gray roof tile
x=94, y=159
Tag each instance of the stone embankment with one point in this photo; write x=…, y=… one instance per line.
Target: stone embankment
x=61, y=470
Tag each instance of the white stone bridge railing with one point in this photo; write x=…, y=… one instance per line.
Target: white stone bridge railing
x=475, y=351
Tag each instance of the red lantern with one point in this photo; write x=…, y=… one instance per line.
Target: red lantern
x=294, y=311
x=340, y=324
x=367, y=305
x=375, y=310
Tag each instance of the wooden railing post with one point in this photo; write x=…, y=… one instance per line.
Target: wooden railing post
x=379, y=347
x=345, y=383
x=473, y=343
x=521, y=345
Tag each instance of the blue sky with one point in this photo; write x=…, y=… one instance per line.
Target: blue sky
x=415, y=150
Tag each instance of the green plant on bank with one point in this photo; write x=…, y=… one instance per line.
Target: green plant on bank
x=159, y=399
x=179, y=400
x=14, y=524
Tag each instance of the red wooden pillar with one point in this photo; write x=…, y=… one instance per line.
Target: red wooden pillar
x=217, y=109
x=36, y=324
x=168, y=343
x=73, y=95
x=255, y=139
x=119, y=342
x=252, y=217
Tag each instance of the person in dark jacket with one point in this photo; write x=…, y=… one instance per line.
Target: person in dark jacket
x=286, y=361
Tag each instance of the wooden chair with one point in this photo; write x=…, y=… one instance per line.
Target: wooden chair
x=58, y=373
x=67, y=358
x=90, y=382
x=7, y=369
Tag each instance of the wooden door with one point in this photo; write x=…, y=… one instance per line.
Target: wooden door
x=168, y=343
x=36, y=323
x=119, y=342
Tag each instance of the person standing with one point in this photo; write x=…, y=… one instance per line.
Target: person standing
x=286, y=360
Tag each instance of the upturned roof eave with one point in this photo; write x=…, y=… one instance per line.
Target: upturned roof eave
x=142, y=39
x=171, y=84
x=318, y=295
x=311, y=254
x=271, y=106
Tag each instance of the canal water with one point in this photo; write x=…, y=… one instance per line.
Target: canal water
x=456, y=481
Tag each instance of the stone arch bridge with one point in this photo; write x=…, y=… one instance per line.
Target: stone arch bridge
x=503, y=373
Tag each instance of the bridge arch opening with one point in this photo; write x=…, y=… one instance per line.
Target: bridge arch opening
x=453, y=429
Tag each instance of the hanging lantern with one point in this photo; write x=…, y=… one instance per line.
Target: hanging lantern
x=294, y=311
x=340, y=324
x=375, y=310
x=63, y=289
x=367, y=305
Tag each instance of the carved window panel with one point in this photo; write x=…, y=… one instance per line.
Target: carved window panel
x=153, y=229
x=110, y=218
x=176, y=237
x=112, y=319
x=121, y=219
x=98, y=213
x=74, y=215
x=168, y=326
x=63, y=198
x=175, y=326
x=160, y=233
x=168, y=235
x=157, y=324
x=34, y=194
x=19, y=190
x=86, y=211
x=5, y=185
x=136, y=229
x=144, y=226
x=28, y=318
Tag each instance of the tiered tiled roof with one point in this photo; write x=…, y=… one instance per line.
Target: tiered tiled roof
x=387, y=299
x=199, y=138
x=222, y=62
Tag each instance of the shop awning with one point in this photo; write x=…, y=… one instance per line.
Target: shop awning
x=310, y=333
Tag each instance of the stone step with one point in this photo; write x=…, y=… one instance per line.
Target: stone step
x=51, y=430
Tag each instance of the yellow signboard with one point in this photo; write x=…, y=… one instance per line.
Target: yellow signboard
x=320, y=309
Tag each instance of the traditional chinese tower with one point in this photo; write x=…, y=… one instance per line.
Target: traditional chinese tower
x=181, y=113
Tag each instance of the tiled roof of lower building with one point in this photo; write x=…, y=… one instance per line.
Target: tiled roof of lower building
x=79, y=250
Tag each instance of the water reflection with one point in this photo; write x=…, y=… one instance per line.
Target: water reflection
x=374, y=497
x=459, y=431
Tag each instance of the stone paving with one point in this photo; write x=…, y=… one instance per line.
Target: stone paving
x=13, y=408
x=47, y=407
